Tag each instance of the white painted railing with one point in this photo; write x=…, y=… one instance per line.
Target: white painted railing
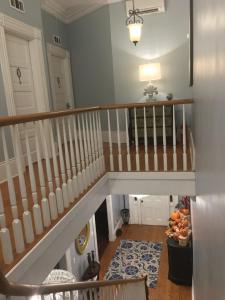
x=58, y=156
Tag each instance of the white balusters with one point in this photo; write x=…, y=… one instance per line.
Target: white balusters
x=80, y=184
x=118, y=141
x=27, y=219
x=88, y=131
x=72, y=153
x=68, y=170
x=58, y=191
x=88, y=174
x=136, y=141
x=5, y=235
x=16, y=224
x=174, y=141
x=101, y=150
x=82, y=154
x=164, y=141
x=110, y=143
x=62, y=166
x=98, y=167
x=49, y=209
x=155, y=142
x=127, y=141
x=184, y=141
x=146, y=141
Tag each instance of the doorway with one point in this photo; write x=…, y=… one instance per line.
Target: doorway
x=61, y=78
x=102, y=229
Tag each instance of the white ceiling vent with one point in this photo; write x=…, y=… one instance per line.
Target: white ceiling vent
x=145, y=7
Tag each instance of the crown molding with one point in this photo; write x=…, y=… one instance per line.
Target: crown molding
x=72, y=14
x=54, y=9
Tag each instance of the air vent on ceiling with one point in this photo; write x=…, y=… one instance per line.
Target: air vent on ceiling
x=18, y=5
x=146, y=6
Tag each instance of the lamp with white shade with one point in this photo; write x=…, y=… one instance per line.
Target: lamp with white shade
x=150, y=72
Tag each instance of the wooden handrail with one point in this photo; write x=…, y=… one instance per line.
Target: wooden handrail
x=18, y=119
x=11, y=289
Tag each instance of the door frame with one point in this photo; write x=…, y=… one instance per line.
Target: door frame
x=65, y=55
x=34, y=36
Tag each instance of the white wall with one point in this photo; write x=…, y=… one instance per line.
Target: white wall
x=209, y=95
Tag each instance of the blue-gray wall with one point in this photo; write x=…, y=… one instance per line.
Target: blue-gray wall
x=164, y=40
x=209, y=96
x=91, y=58
x=52, y=26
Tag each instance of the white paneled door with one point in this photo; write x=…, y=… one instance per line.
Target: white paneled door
x=25, y=101
x=150, y=210
x=61, y=80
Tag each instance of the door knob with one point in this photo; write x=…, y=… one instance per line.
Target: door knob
x=68, y=105
x=142, y=201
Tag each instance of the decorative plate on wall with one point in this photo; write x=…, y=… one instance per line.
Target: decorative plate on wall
x=82, y=240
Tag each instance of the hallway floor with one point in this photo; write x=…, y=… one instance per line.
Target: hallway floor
x=165, y=290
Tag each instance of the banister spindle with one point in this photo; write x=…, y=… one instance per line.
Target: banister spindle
x=184, y=141
x=83, y=171
x=68, y=167
x=88, y=174
x=94, y=157
x=49, y=206
x=136, y=141
x=155, y=142
x=101, y=149
x=110, y=143
x=128, y=141
x=165, y=167
x=119, y=142
x=96, y=144
x=62, y=166
x=80, y=184
x=92, y=173
x=6, y=244
x=58, y=191
x=27, y=218
x=72, y=154
x=16, y=223
x=146, y=142
x=174, y=141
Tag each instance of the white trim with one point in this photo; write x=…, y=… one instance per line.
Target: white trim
x=72, y=14
x=105, y=136
x=34, y=36
x=65, y=55
x=95, y=237
x=13, y=169
x=112, y=229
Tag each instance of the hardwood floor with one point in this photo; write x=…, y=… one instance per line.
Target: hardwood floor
x=165, y=290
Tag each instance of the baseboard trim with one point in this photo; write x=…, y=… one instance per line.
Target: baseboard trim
x=13, y=168
x=105, y=136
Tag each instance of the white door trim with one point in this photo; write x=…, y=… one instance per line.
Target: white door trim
x=65, y=55
x=34, y=36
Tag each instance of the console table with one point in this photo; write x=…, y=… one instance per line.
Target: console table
x=149, y=124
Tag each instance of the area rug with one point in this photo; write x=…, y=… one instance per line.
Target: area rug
x=134, y=259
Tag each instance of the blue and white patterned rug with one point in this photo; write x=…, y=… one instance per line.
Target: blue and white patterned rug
x=135, y=259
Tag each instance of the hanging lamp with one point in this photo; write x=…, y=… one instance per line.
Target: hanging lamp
x=134, y=24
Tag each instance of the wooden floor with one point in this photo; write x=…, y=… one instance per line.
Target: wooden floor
x=165, y=290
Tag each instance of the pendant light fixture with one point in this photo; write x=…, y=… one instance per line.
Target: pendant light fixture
x=134, y=24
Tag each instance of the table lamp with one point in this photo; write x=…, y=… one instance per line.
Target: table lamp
x=150, y=72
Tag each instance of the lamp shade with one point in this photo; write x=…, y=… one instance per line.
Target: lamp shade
x=135, y=30
x=150, y=72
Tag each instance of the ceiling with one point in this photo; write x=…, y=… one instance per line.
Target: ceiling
x=70, y=10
